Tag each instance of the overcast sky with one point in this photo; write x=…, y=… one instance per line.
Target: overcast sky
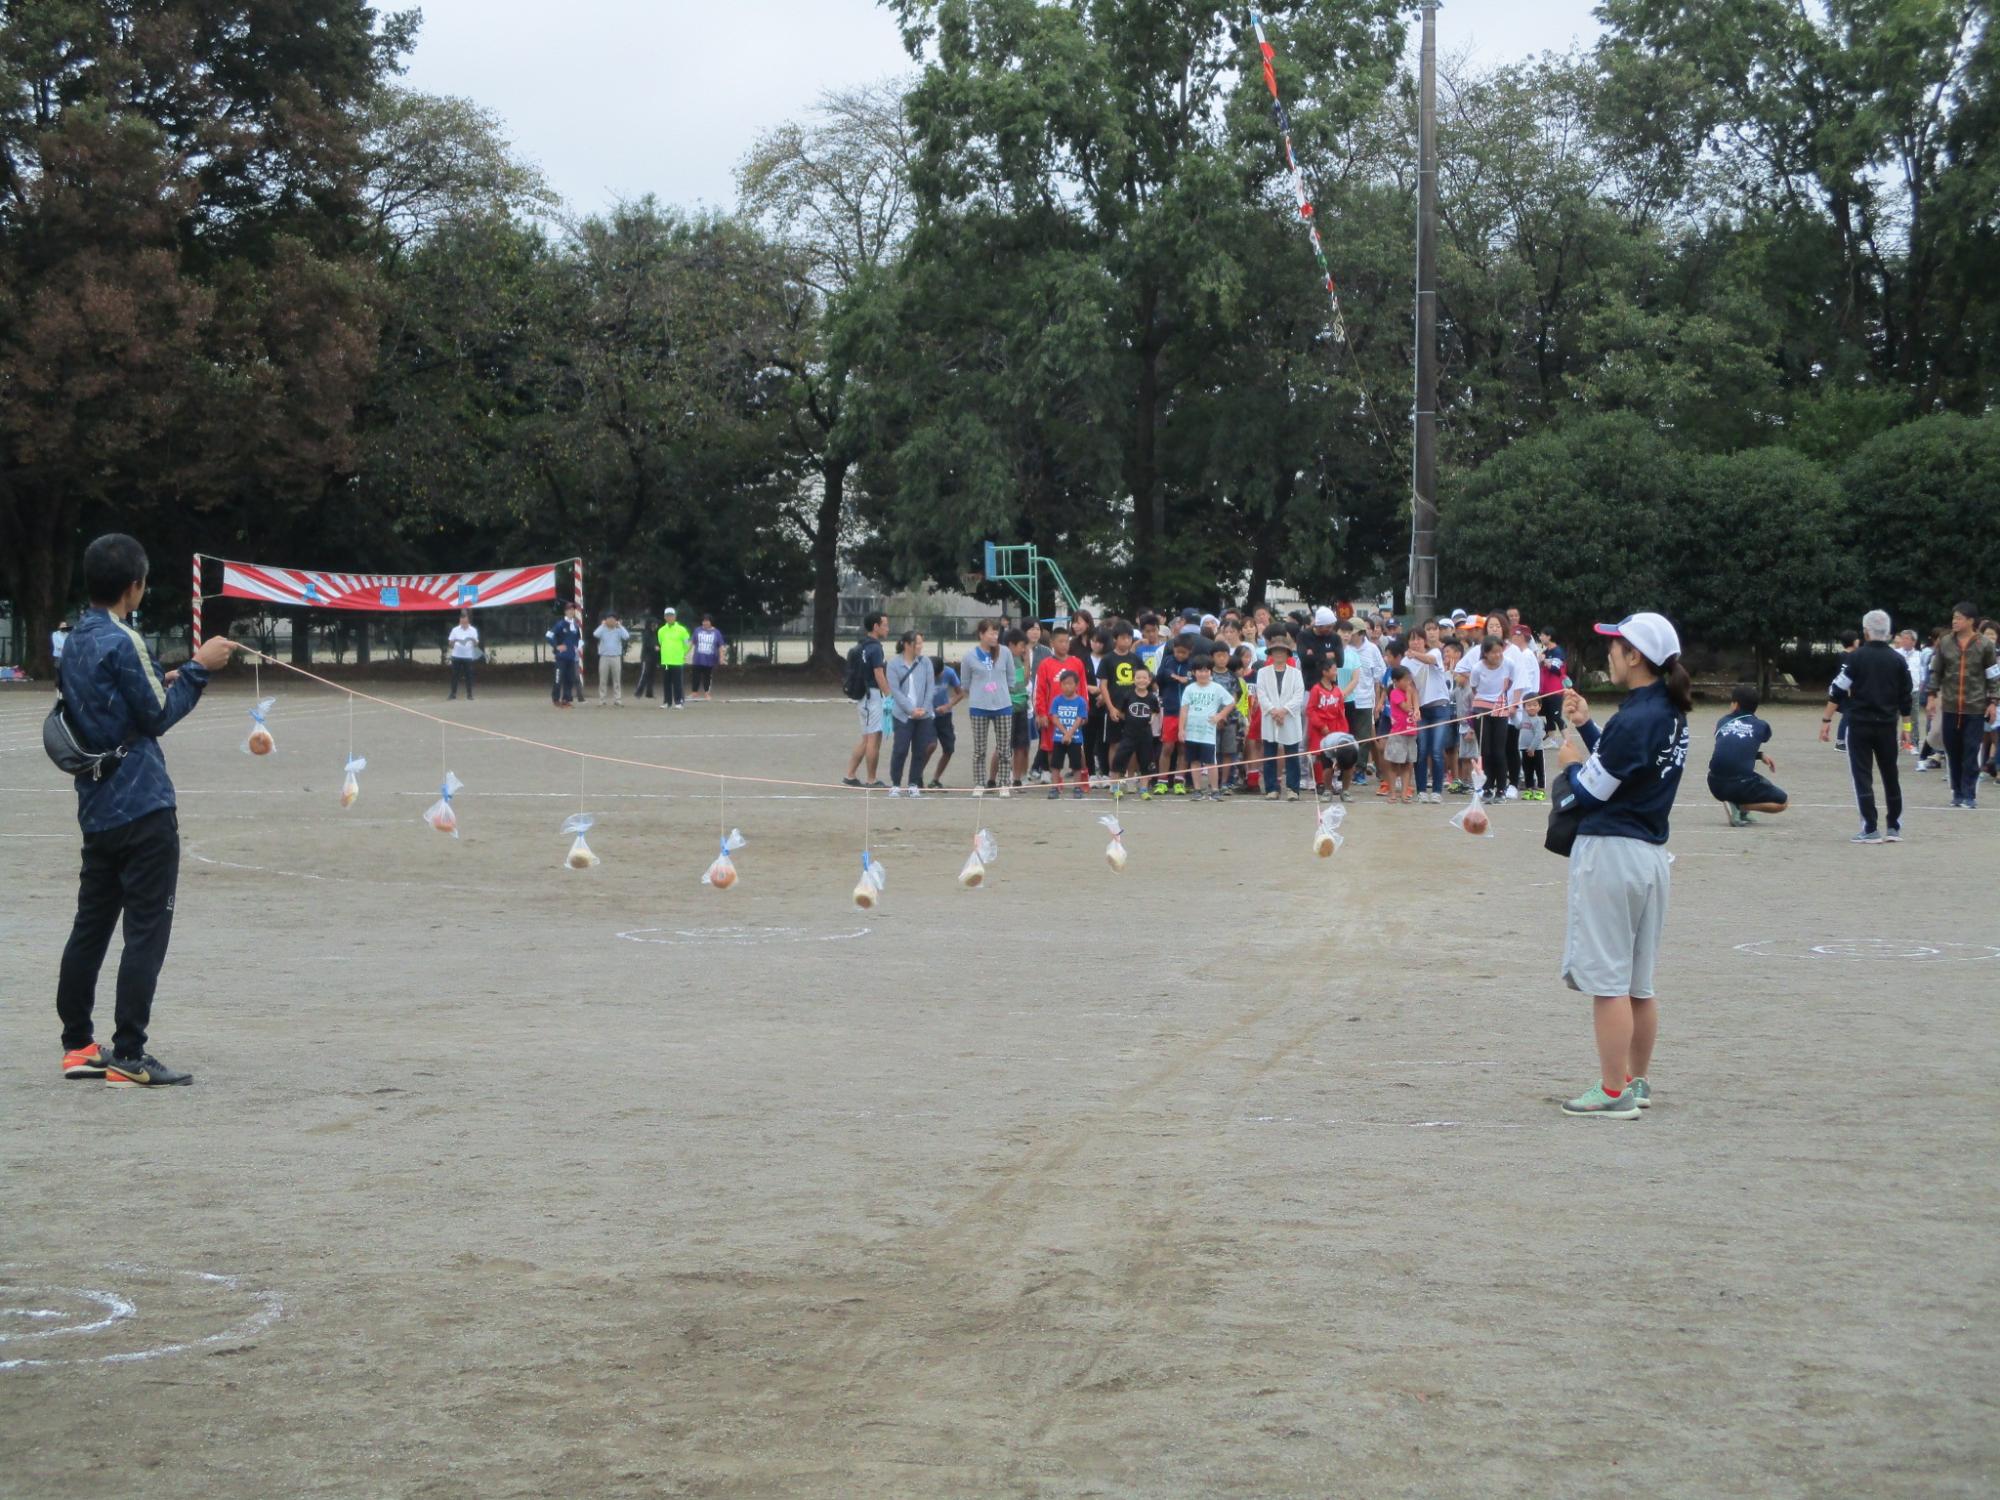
x=618, y=98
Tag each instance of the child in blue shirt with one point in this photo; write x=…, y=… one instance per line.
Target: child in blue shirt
x=947, y=696
x=1069, y=714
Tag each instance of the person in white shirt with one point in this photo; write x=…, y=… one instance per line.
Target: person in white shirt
x=1281, y=703
x=56, y=639
x=1524, y=686
x=1360, y=682
x=1424, y=655
x=611, y=637
x=1492, y=694
x=464, y=651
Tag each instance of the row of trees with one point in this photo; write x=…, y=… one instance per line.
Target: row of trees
x=1747, y=551
x=1722, y=279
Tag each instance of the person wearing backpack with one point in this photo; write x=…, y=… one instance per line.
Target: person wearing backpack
x=866, y=682
x=115, y=695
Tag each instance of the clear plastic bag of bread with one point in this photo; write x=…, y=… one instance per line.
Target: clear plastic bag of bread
x=1114, y=852
x=441, y=815
x=721, y=872
x=580, y=856
x=259, y=741
x=984, y=851
x=1327, y=836
x=350, y=786
x=874, y=879
x=1473, y=820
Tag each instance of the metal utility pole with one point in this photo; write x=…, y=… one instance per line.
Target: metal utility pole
x=1423, y=476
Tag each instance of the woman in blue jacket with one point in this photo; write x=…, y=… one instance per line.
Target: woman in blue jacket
x=1624, y=781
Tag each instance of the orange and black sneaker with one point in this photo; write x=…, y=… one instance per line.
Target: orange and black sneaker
x=86, y=1061
x=142, y=1072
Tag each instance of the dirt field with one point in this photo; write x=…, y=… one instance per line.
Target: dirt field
x=1237, y=1174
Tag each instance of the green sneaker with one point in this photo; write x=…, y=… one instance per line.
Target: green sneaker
x=1641, y=1092
x=1603, y=1106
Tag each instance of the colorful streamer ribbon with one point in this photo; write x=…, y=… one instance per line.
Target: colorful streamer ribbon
x=1298, y=177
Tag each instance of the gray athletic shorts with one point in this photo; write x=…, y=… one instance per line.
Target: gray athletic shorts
x=1617, y=911
x=871, y=712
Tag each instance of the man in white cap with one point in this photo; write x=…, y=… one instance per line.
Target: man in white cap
x=1319, y=643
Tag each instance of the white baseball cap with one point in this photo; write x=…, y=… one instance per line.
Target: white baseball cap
x=1652, y=636
x=670, y=609
x=1322, y=617
x=1459, y=617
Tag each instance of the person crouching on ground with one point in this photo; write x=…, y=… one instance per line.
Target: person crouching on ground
x=117, y=696
x=1733, y=777
x=1624, y=783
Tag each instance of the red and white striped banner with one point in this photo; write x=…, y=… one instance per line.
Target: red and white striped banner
x=389, y=592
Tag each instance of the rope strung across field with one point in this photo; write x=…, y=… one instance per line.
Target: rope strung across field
x=716, y=776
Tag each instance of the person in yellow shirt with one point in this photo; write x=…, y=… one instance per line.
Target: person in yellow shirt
x=675, y=646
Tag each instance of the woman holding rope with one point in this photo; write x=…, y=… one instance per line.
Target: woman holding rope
x=1624, y=780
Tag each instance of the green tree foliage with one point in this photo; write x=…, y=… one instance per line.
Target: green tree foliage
x=617, y=390
x=1863, y=141
x=836, y=189
x=1574, y=525
x=183, y=325
x=1089, y=185
x=1921, y=504
x=1759, y=552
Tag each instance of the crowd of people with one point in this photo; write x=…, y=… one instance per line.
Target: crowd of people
x=1206, y=706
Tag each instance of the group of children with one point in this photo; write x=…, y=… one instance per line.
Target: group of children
x=1462, y=706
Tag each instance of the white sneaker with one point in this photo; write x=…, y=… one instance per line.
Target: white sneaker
x=1513, y=794
x=979, y=791
x=914, y=792
x=896, y=791
x=1006, y=792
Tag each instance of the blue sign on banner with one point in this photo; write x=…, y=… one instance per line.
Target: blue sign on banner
x=468, y=593
x=312, y=592
x=391, y=599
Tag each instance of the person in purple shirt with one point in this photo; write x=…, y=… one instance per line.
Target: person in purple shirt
x=708, y=644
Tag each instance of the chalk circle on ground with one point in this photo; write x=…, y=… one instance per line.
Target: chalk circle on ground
x=741, y=936
x=1897, y=950
x=124, y=1315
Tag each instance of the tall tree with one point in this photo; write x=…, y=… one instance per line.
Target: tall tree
x=1863, y=136
x=1080, y=184
x=183, y=324
x=836, y=188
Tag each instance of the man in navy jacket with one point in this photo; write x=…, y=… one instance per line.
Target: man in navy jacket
x=117, y=695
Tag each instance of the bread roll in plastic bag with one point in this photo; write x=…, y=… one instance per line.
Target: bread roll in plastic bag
x=259, y=741
x=580, y=856
x=441, y=815
x=984, y=851
x=1473, y=820
x=868, y=889
x=1327, y=837
x=1114, y=852
x=722, y=873
x=350, y=788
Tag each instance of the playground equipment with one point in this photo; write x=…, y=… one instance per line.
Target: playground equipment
x=1020, y=568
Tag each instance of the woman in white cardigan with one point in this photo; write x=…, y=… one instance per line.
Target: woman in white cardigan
x=1281, y=701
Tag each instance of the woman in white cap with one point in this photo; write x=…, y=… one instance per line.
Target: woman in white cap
x=1623, y=780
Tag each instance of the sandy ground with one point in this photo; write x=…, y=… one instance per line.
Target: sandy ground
x=1238, y=1174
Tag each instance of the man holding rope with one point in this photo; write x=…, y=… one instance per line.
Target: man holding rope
x=117, y=696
